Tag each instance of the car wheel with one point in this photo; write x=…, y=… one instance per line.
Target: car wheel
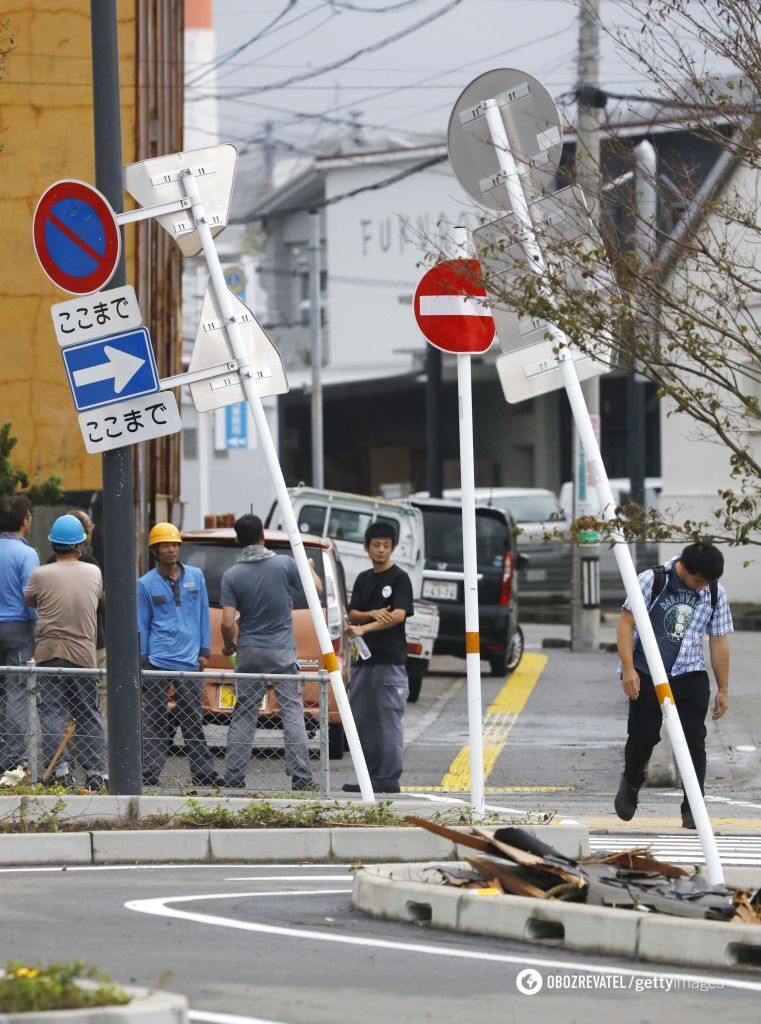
x=515, y=652
x=336, y=742
x=498, y=664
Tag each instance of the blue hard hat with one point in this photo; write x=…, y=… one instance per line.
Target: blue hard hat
x=67, y=530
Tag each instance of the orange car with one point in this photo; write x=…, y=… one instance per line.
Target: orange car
x=214, y=551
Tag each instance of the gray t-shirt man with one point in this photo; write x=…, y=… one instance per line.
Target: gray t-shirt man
x=261, y=586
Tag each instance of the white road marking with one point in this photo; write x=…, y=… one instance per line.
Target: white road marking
x=169, y=867
x=159, y=907
x=227, y=1018
x=734, y=851
x=288, y=878
x=709, y=799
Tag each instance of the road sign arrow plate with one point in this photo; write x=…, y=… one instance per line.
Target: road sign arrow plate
x=111, y=369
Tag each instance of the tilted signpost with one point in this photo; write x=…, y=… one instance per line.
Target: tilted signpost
x=451, y=311
x=113, y=376
x=504, y=140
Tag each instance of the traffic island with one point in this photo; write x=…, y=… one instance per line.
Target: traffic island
x=43, y=830
x=415, y=893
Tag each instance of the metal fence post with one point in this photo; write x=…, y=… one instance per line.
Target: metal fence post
x=32, y=728
x=324, y=737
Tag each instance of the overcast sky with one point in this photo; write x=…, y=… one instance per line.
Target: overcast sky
x=406, y=86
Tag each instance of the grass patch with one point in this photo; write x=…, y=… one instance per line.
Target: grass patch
x=34, y=988
x=256, y=814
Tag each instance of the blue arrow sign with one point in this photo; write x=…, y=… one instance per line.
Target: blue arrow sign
x=111, y=369
x=236, y=426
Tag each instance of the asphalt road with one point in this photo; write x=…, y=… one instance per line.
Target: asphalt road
x=282, y=944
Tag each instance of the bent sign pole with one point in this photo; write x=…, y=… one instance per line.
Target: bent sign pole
x=517, y=198
x=450, y=308
x=247, y=374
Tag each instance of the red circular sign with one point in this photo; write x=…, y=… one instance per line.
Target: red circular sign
x=76, y=237
x=450, y=308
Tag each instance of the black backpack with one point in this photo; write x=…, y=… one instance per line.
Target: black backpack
x=660, y=575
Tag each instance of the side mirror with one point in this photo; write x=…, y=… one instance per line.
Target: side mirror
x=522, y=560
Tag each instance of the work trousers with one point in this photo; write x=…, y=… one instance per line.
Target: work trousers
x=158, y=728
x=77, y=696
x=16, y=648
x=242, y=728
x=378, y=696
x=691, y=696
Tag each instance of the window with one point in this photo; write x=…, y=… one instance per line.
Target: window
x=214, y=559
x=312, y=520
x=346, y=524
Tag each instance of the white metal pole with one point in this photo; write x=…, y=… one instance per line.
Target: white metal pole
x=246, y=371
x=470, y=568
x=204, y=467
x=623, y=556
x=315, y=330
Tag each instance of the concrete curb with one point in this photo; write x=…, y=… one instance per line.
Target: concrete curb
x=318, y=845
x=146, y=1008
x=400, y=892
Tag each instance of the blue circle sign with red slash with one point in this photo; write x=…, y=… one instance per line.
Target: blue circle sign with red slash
x=76, y=237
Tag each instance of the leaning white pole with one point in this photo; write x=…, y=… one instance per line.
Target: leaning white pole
x=276, y=475
x=470, y=568
x=514, y=187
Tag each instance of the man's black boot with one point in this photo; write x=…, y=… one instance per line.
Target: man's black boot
x=626, y=799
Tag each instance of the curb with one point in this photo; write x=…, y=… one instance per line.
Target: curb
x=253, y=845
x=147, y=1007
x=400, y=892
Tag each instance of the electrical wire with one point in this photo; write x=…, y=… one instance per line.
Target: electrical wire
x=341, y=62
x=220, y=61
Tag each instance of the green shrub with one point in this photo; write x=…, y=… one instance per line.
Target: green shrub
x=26, y=988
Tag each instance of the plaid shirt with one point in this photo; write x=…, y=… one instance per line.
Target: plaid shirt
x=691, y=657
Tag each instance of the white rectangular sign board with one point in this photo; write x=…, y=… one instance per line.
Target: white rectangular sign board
x=529, y=366
x=140, y=419
x=89, y=317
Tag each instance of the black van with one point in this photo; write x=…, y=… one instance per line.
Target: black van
x=501, y=636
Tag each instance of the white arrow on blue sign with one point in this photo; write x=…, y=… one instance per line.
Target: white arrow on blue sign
x=111, y=369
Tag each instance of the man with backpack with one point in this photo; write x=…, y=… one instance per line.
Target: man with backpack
x=685, y=602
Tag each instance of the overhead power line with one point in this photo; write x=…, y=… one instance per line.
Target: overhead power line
x=343, y=61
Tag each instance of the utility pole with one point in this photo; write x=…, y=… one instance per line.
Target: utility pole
x=646, y=212
x=315, y=323
x=120, y=571
x=585, y=621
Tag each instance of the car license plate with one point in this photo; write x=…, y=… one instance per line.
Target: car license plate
x=227, y=699
x=536, y=575
x=440, y=590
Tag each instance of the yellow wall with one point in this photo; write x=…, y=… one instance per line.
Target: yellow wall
x=46, y=123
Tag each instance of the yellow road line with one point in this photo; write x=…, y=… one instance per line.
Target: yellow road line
x=494, y=789
x=498, y=721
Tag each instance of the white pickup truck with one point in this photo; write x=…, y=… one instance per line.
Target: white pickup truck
x=344, y=518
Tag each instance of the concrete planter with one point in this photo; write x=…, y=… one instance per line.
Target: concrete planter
x=146, y=1007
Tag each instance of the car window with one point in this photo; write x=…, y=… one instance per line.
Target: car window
x=347, y=524
x=214, y=559
x=529, y=508
x=312, y=519
x=443, y=538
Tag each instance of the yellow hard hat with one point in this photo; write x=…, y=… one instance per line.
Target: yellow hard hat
x=164, y=533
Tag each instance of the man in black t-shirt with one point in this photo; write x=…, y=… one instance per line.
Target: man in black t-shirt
x=380, y=602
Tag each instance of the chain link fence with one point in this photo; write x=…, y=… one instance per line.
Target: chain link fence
x=262, y=733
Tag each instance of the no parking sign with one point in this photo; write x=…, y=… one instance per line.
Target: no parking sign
x=76, y=237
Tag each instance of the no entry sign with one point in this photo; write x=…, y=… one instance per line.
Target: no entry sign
x=76, y=237
x=451, y=309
